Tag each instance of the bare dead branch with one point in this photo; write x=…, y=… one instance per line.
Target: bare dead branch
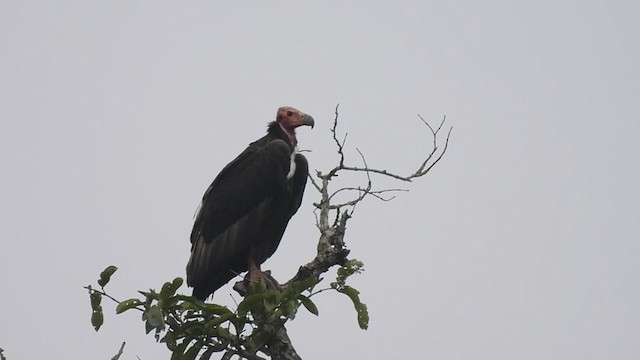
x=422, y=169
x=372, y=192
x=339, y=144
x=446, y=144
x=331, y=249
x=117, y=356
x=315, y=184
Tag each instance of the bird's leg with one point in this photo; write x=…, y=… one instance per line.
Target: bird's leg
x=256, y=275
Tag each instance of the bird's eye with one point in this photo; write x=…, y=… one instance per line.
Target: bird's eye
x=289, y=113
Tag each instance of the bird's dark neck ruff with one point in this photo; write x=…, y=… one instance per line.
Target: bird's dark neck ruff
x=275, y=129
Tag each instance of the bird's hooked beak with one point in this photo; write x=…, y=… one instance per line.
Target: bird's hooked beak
x=307, y=120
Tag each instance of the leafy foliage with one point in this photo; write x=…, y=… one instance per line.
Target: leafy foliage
x=349, y=268
x=105, y=275
x=97, y=317
x=193, y=329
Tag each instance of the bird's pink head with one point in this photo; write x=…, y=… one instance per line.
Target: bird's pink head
x=289, y=118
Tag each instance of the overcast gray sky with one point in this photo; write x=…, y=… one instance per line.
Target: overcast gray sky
x=523, y=243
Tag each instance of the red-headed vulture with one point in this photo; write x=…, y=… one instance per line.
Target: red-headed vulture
x=246, y=209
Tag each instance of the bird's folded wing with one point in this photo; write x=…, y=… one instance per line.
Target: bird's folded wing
x=257, y=174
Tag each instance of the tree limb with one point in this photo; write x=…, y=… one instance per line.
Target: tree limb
x=117, y=356
x=331, y=249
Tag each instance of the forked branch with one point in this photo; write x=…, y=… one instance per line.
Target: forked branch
x=430, y=160
x=331, y=248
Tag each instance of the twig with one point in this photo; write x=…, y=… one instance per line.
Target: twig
x=117, y=356
x=335, y=138
x=372, y=192
x=331, y=249
x=314, y=183
x=103, y=293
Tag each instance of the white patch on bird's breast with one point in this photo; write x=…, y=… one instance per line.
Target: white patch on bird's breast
x=198, y=209
x=292, y=165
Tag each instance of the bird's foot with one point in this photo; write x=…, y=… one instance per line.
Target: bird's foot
x=258, y=277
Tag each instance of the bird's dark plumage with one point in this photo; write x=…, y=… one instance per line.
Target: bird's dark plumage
x=246, y=209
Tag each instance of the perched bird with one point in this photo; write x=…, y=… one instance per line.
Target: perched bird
x=245, y=211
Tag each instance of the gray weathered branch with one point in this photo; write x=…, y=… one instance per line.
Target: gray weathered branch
x=331, y=249
x=117, y=356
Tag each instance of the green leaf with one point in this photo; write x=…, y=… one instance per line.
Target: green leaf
x=189, y=302
x=207, y=354
x=220, y=319
x=171, y=340
x=192, y=352
x=154, y=317
x=257, y=339
x=193, y=329
x=105, y=275
x=223, y=335
x=179, y=350
x=96, y=299
x=361, y=309
x=150, y=296
x=289, y=309
x=251, y=302
x=177, y=282
x=188, y=305
x=363, y=316
x=97, y=318
x=308, y=304
x=271, y=301
x=306, y=284
x=310, y=282
x=148, y=327
x=127, y=304
x=169, y=288
x=351, y=267
x=217, y=309
x=168, y=338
